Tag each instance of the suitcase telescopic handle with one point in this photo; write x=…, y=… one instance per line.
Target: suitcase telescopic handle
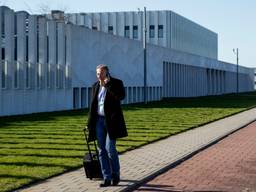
x=88, y=145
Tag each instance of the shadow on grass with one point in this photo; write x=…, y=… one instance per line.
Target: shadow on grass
x=44, y=148
x=242, y=100
x=17, y=141
x=37, y=165
x=222, y=101
x=41, y=155
x=44, y=116
x=18, y=177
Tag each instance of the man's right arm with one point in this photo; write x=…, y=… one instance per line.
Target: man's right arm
x=116, y=89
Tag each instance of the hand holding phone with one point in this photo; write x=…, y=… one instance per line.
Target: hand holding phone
x=107, y=78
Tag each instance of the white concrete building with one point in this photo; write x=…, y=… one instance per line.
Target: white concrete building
x=49, y=66
x=164, y=28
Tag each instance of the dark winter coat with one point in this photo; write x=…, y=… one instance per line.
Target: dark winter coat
x=114, y=118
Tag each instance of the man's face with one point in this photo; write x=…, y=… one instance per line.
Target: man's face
x=101, y=74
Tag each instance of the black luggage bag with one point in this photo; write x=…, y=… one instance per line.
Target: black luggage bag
x=91, y=160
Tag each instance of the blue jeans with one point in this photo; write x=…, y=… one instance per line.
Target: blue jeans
x=108, y=155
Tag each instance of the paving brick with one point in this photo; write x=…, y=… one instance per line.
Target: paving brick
x=233, y=168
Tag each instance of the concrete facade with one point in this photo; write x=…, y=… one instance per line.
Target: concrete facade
x=170, y=73
x=164, y=28
x=49, y=66
x=29, y=70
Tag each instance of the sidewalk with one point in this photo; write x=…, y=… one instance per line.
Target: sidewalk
x=141, y=165
x=229, y=165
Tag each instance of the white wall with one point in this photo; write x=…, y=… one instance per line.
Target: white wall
x=184, y=75
x=27, y=90
x=179, y=33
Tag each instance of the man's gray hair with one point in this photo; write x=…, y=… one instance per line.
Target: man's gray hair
x=102, y=66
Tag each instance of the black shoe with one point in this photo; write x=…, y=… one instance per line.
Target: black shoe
x=115, y=180
x=105, y=183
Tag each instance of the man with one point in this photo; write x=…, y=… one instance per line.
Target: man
x=106, y=122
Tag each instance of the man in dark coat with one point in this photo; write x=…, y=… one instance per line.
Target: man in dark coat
x=106, y=122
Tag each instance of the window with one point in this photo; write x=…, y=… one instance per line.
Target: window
x=37, y=42
x=39, y=78
x=127, y=31
x=16, y=75
x=110, y=30
x=61, y=77
x=3, y=53
x=57, y=76
x=3, y=34
x=27, y=48
x=135, y=32
x=68, y=76
x=3, y=24
x=4, y=74
x=15, y=37
x=76, y=98
x=27, y=74
x=15, y=48
x=37, y=47
x=151, y=31
x=57, y=44
x=47, y=49
x=48, y=82
x=65, y=50
x=160, y=31
x=94, y=28
x=26, y=24
x=83, y=97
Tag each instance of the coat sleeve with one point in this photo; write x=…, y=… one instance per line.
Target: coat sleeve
x=116, y=89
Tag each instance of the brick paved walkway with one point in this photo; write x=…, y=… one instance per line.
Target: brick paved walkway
x=140, y=165
x=228, y=166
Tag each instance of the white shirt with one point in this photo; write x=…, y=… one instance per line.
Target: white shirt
x=101, y=100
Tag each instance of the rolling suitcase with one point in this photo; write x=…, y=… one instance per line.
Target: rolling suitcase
x=91, y=160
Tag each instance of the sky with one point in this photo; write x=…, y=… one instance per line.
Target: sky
x=232, y=20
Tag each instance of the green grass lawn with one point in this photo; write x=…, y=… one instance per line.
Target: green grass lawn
x=38, y=146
